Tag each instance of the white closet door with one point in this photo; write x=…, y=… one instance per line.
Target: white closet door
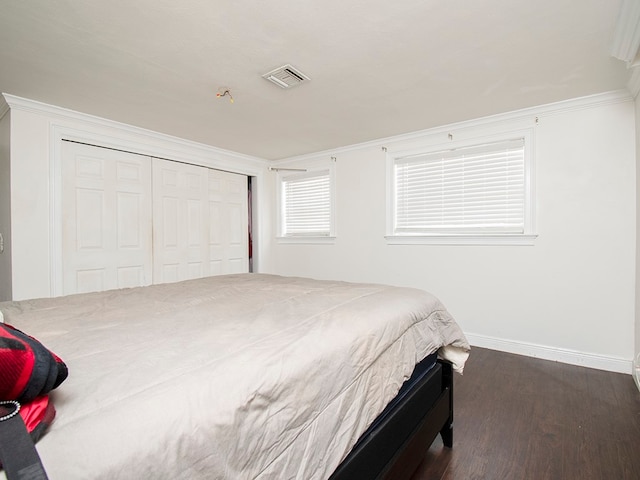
x=180, y=221
x=228, y=223
x=106, y=233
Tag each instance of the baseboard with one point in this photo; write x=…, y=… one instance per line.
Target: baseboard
x=590, y=360
x=636, y=371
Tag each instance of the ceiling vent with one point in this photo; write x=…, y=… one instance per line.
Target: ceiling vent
x=286, y=76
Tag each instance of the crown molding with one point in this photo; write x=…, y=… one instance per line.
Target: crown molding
x=4, y=107
x=147, y=136
x=626, y=36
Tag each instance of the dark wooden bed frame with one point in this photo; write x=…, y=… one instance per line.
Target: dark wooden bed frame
x=395, y=448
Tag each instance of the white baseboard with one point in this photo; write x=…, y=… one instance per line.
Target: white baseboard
x=636, y=371
x=590, y=360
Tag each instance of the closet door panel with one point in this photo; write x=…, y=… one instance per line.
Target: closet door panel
x=90, y=280
x=228, y=223
x=215, y=235
x=129, y=211
x=131, y=276
x=89, y=222
x=179, y=221
x=106, y=232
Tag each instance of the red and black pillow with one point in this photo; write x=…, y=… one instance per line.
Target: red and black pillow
x=28, y=372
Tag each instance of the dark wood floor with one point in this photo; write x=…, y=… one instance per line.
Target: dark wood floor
x=523, y=418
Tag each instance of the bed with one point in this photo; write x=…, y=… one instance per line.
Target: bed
x=248, y=376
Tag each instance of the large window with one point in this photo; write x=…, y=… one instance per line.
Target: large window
x=469, y=194
x=306, y=206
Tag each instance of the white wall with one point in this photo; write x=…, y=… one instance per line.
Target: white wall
x=30, y=210
x=35, y=151
x=5, y=205
x=569, y=298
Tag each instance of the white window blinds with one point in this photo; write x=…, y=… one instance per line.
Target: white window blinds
x=479, y=189
x=306, y=205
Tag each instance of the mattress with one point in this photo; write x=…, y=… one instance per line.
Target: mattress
x=248, y=376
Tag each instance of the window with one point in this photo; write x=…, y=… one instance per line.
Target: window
x=469, y=194
x=306, y=206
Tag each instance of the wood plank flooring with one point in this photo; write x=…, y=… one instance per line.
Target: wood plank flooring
x=522, y=418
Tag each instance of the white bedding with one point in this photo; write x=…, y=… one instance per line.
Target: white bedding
x=230, y=377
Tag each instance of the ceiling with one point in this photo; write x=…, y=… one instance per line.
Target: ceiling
x=377, y=68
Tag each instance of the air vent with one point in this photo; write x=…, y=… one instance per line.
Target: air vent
x=286, y=76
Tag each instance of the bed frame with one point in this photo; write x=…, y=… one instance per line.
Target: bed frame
x=396, y=447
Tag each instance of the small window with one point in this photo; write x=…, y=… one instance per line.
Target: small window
x=480, y=191
x=306, y=205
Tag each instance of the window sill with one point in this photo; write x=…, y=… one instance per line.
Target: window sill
x=507, y=239
x=306, y=240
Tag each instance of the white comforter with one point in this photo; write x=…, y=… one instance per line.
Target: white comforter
x=231, y=377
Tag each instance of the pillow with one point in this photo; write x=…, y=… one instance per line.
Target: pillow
x=27, y=368
x=28, y=372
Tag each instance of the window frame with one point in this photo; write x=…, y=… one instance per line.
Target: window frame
x=285, y=174
x=471, y=237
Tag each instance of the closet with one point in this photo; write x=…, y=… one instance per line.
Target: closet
x=131, y=220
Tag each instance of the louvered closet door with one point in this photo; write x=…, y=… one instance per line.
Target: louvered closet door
x=180, y=221
x=106, y=207
x=228, y=223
